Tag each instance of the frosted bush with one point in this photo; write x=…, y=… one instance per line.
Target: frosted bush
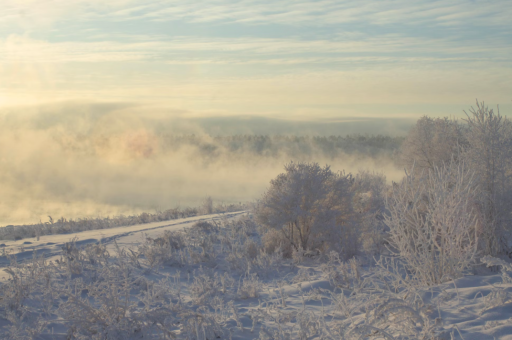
x=14, y=292
x=160, y=251
x=105, y=309
x=250, y=287
x=238, y=261
x=273, y=240
x=96, y=253
x=171, y=239
x=204, y=227
x=308, y=204
x=432, y=223
x=267, y=264
x=336, y=271
x=251, y=249
x=73, y=257
x=205, y=286
x=309, y=325
x=298, y=255
x=200, y=326
x=304, y=274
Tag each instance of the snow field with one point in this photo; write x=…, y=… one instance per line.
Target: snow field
x=211, y=278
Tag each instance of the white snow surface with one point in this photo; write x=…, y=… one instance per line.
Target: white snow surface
x=308, y=297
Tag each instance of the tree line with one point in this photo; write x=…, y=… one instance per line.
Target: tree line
x=278, y=145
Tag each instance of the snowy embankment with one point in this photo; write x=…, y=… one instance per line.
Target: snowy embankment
x=210, y=277
x=51, y=245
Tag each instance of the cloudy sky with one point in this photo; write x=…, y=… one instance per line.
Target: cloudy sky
x=279, y=58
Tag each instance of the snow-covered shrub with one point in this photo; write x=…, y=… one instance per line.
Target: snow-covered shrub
x=204, y=227
x=27, y=298
x=199, y=325
x=250, y=287
x=110, y=320
x=73, y=258
x=390, y=315
x=304, y=274
x=206, y=285
x=14, y=292
x=490, y=155
x=251, y=249
x=498, y=295
x=240, y=229
x=171, y=239
x=273, y=240
x=432, y=225
x=238, y=261
x=163, y=250
x=202, y=234
x=345, y=275
x=106, y=309
x=506, y=268
x=266, y=264
x=307, y=204
x=309, y=325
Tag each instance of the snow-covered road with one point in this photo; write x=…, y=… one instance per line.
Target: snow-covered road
x=51, y=245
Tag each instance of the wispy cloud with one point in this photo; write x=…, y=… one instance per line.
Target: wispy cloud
x=327, y=12
x=385, y=48
x=31, y=13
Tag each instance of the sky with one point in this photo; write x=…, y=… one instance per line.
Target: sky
x=86, y=85
x=297, y=60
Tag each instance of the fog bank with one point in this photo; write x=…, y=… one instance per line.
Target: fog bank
x=81, y=159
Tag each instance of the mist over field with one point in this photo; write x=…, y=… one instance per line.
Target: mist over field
x=87, y=160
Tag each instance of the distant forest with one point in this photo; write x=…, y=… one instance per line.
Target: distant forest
x=279, y=145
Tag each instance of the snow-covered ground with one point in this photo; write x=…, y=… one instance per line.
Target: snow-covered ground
x=188, y=279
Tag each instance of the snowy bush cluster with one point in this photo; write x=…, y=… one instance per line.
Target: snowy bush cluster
x=452, y=205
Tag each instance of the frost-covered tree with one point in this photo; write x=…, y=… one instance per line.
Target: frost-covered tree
x=489, y=136
x=308, y=204
x=431, y=142
x=432, y=223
